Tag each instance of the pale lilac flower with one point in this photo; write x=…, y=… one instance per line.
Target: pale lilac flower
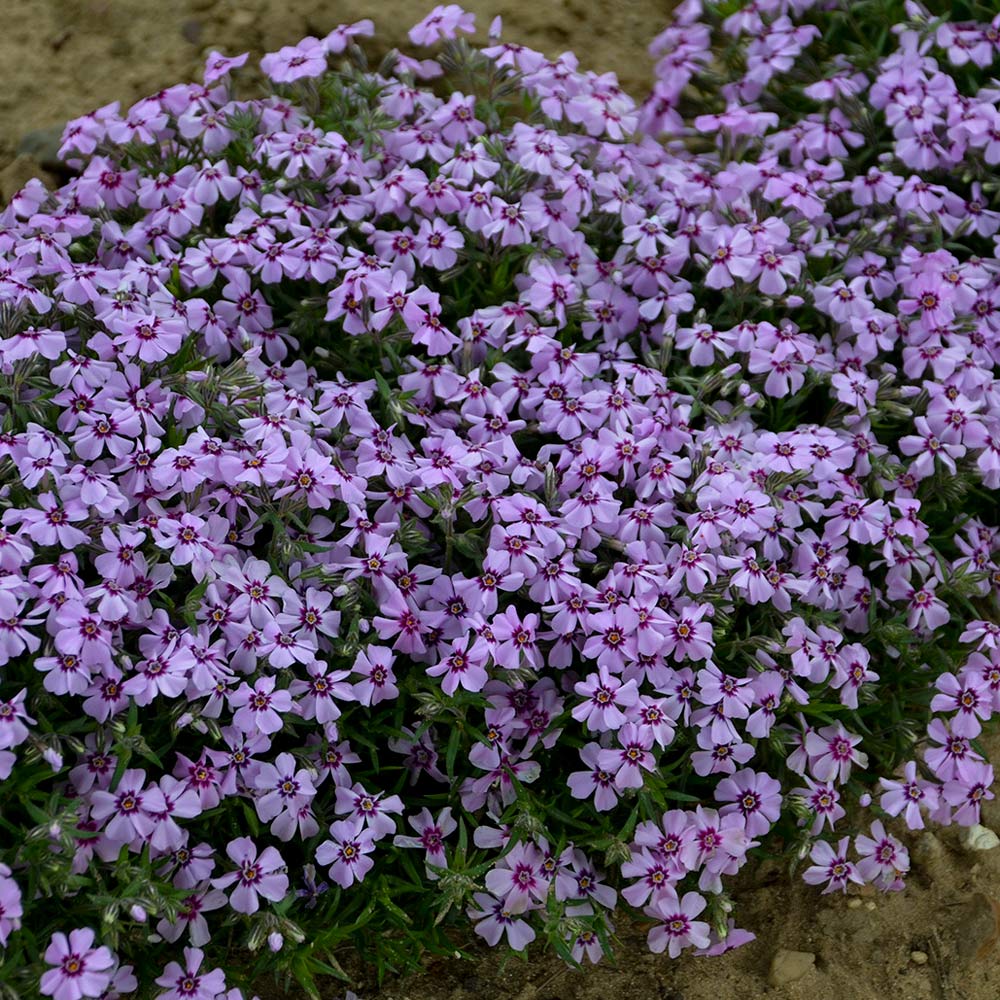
x=677, y=929
x=256, y=874
x=430, y=837
x=832, y=867
x=347, y=852
x=519, y=880
x=884, y=860
x=832, y=751
x=909, y=796
x=597, y=781
x=493, y=920
x=81, y=970
x=11, y=910
x=187, y=982
x=444, y=21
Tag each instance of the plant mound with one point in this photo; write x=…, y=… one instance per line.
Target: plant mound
x=454, y=492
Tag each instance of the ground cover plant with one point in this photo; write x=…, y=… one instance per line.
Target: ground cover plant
x=453, y=494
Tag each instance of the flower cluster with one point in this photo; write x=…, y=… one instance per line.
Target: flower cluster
x=461, y=458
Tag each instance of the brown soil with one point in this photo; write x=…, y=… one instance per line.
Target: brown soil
x=62, y=58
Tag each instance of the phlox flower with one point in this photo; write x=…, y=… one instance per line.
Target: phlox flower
x=966, y=796
x=654, y=873
x=516, y=642
x=464, y=666
x=832, y=751
x=909, y=796
x=295, y=62
x=968, y=698
x=605, y=697
x=320, y=695
x=444, y=21
x=493, y=920
x=11, y=910
x=285, y=789
x=598, y=781
x=347, y=852
x=730, y=254
x=430, y=837
x=757, y=796
x=187, y=982
x=378, y=682
x=954, y=758
x=256, y=874
x=832, y=867
x=581, y=881
x=81, y=970
x=370, y=808
x=678, y=929
x=630, y=758
x=14, y=721
x=126, y=810
x=550, y=289
x=518, y=881
x=884, y=860
x=259, y=708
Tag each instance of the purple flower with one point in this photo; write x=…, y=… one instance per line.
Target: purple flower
x=444, y=21
x=824, y=801
x=295, y=62
x=286, y=790
x=597, y=781
x=126, y=810
x=832, y=752
x=369, y=808
x=630, y=759
x=11, y=910
x=519, y=881
x=580, y=881
x=256, y=875
x=909, y=796
x=552, y=290
x=757, y=796
x=493, y=920
x=184, y=982
x=377, y=684
x=259, y=707
x=884, y=860
x=430, y=837
x=605, y=697
x=832, y=867
x=81, y=970
x=677, y=929
x=967, y=795
x=730, y=254
x=347, y=851
x=969, y=699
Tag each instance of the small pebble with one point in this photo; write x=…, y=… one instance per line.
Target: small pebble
x=854, y=904
x=918, y=957
x=869, y=905
x=790, y=966
x=979, y=838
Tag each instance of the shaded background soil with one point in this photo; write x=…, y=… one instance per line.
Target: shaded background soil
x=935, y=941
x=63, y=58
